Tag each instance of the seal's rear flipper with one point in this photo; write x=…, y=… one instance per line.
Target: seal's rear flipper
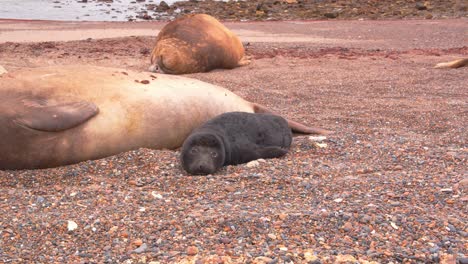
x=295, y=126
x=42, y=115
x=452, y=64
x=244, y=61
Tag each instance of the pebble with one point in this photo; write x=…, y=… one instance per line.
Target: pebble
x=348, y=226
x=309, y=256
x=192, y=250
x=446, y=190
x=262, y=260
x=230, y=188
x=317, y=138
x=321, y=145
x=156, y=195
x=141, y=249
x=345, y=259
x=137, y=242
x=272, y=236
x=71, y=225
x=420, y=6
x=463, y=184
x=252, y=164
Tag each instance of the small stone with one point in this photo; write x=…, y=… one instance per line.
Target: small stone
x=348, y=226
x=163, y=6
x=113, y=229
x=71, y=225
x=394, y=225
x=137, y=242
x=272, y=236
x=429, y=16
x=283, y=216
x=317, y=138
x=448, y=190
x=420, y=6
x=262, y=260
x=345, y=259
x=447, y=259
x=156, y=195
x=230, y=188
x=252, y=164
x=321, y=145
x=309, y=256
x=192, y=250
x=225, y=240
x=145, y=51
x=463, y=184
x=332, y=14
x=141, y=249
x=338, y=200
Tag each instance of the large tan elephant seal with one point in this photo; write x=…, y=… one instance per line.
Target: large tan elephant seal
x=196, y=43
x=60, y=115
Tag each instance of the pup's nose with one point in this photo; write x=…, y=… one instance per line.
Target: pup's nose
x=202, y=168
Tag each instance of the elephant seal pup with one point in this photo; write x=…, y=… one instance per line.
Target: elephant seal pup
x=59, y=115
x=235, y=138
x=196, y=43
x=452, y=64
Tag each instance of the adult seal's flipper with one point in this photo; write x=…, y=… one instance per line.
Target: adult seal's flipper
x=452, y=64
x=295, y=126
x=47, y=116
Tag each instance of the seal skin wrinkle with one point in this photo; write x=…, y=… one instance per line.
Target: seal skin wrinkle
x=59, y=115
x=235, y=138
x=196, y=43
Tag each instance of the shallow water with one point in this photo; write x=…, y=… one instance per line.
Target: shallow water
x=73, y=10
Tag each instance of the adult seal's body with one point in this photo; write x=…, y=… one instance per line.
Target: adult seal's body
x=196, y=43
x=60, y=115
x=235, y=138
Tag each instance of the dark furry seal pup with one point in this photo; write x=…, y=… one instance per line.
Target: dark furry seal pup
x=234, y=138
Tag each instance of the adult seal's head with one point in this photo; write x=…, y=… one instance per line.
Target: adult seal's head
x=196, y=43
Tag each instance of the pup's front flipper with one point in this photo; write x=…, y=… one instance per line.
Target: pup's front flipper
x=271, y=152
